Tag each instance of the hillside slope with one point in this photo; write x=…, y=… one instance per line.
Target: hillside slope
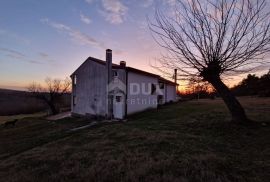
x=14, y=102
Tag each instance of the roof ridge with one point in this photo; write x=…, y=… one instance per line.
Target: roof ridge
x=127, y=67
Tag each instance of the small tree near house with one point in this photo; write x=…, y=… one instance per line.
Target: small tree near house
x=199, y=87
x=51, y=93
x=212, y=39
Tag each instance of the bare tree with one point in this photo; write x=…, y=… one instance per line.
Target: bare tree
x=214, y=38
x=52, y=92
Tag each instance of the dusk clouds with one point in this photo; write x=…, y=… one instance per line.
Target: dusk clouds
x=17, y=55
x=12, y=53
x=85, y=19
x=56, y=33
x=75, y=35
x=147, y=3
x=114, y=11
x=89, y=1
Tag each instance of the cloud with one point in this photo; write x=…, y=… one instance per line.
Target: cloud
x=147, y=3
x=46, y=57
x=43, y=55
x=143, y=25
x=170, y=2
x=17, y=55
x=12, y=53
x=114, y=11
x=58, y=26
x=85, y=19
x=75, y=35
x=89, y=1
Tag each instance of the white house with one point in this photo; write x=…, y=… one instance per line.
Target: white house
x=114, y=91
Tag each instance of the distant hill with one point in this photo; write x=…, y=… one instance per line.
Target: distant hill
x=9, y=91
x=21, y=102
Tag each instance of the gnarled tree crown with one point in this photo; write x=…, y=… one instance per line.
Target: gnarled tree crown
x=208, y=38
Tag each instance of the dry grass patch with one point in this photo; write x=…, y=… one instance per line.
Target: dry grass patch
x=187, y=142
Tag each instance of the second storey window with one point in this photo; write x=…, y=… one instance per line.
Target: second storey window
x=153, y=89
x=74, y=100
x=161, y=85
x=75, y=80
x=115, y=73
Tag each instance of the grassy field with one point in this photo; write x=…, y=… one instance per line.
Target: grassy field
x=13, y=102
x=4, y=119
x=186, y=142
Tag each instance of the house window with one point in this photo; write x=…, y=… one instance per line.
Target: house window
x=75, y=80
x=161, y=85
x=115, y=73
x=74, y=100
x=118, y=98
x=153, y=89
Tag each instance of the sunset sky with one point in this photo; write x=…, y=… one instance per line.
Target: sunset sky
x=41, y=38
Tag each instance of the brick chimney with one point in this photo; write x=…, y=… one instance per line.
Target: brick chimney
x=109, y=65
x=108, y=81
x=123, y=64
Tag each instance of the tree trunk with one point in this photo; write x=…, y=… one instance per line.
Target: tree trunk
x=52, y=107
x=237, y=112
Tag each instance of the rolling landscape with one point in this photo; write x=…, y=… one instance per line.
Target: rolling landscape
x=135, y=91
x=187, y=141
x=19, y=104
x=14, y=102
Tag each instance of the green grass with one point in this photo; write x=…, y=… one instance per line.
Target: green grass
x=191, y=141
